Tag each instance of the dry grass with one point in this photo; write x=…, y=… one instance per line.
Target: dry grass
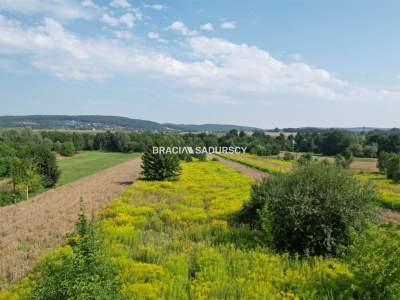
x=28, y=228
x=363, y=165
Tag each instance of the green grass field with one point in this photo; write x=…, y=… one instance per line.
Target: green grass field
x=89, y=162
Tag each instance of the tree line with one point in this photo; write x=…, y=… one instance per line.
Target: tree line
x=27, y=162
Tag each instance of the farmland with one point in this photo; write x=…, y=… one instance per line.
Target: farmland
x=88, y=162
x=29, y=228
x=175, y=240
x=192, y=227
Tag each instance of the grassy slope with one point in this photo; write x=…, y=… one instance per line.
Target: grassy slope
x=89, y=162
x=171, y=240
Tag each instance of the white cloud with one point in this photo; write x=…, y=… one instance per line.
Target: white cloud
x=156, y=6
x=180, y=27
x=254, y=70
x=106, y=18
x=153, y=35
x=123, y=34
x=219, y=70
x=127, y=19
x=120, y=4
x=207, y=27
x=66, y=9
x=156, y=36
x=228, y=25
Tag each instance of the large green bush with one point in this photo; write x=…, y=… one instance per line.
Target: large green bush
x=67, y=149
x=311, y=209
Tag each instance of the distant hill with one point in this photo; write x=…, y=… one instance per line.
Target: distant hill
x=94, y=122
x=209, y=127
x=322, y=129
x=78, y=122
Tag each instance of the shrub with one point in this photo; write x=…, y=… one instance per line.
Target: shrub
x=311, y=209
x=160, y=166
x=201, y=156
x=343, y=161
x=82, y=273
x=288, y=156
x=375, y=262
x=67, y=149
x=305, y=158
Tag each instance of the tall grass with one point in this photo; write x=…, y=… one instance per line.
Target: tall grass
x=173, y=240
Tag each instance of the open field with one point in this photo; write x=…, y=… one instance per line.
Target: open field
x=30, y=227
x=364, y=169
x=359, y=164
x=172, y=240
x=89, y=162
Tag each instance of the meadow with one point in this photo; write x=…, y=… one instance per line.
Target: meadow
x=363, y=168
x=178, y=240
x=389, y=190
x=174, y=240
x=86, y=163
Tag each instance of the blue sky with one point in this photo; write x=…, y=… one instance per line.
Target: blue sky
x=284, y=63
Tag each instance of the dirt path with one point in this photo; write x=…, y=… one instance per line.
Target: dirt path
x=256, y=174
x=29, y=228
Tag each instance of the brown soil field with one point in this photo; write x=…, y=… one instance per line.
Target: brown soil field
x=364, y=166
x=29, y=228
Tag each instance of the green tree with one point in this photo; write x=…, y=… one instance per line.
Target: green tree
x=393, y=167
x=46, y=165
x=23, y=176
x=160, y=166
x=382, y=161
x=370, y=150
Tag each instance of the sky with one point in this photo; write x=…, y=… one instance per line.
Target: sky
x=276, y=63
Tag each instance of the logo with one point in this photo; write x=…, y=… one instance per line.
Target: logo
x=198, y=150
